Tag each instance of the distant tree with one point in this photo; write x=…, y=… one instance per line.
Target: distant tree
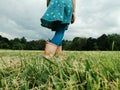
x=41, y=44
x=4, y=43
x=91, y=44
x=95, y=46
x=16, y=44
x=114, y=40
x=33, y=45
x=23, y=41
x=75, y=44
x=83, y=42
x=66, y=44
x=103, y=42
x=78, y=43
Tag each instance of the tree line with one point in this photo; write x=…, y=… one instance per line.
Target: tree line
x=104, y=42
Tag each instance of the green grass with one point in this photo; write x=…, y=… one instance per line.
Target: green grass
x=76, y=70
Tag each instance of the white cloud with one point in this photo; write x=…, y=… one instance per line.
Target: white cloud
x=7, y=35
x=93, y=18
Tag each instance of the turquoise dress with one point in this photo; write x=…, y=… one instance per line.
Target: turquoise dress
x=58, y=12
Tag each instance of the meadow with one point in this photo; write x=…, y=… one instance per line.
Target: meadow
x=75, y=70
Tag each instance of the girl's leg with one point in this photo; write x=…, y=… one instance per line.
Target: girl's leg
x=57, y=39
x=56, y=42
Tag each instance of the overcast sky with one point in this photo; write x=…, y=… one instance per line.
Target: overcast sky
x=20, y=18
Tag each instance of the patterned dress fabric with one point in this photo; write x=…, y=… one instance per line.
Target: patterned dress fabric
x=58, y=12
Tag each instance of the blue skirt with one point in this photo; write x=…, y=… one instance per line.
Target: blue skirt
x=58, y=12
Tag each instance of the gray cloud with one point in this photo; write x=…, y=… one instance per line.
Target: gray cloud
x=93, y=18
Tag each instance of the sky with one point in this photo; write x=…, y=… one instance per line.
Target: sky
x=21, y=18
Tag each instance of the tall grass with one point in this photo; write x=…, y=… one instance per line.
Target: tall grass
x=93, y=70
x=113, y=45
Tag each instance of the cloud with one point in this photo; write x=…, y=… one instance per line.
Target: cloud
x=96, y=18
x=7, y=35
x=93, y=18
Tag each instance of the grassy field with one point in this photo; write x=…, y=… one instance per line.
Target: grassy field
x=76, y=70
